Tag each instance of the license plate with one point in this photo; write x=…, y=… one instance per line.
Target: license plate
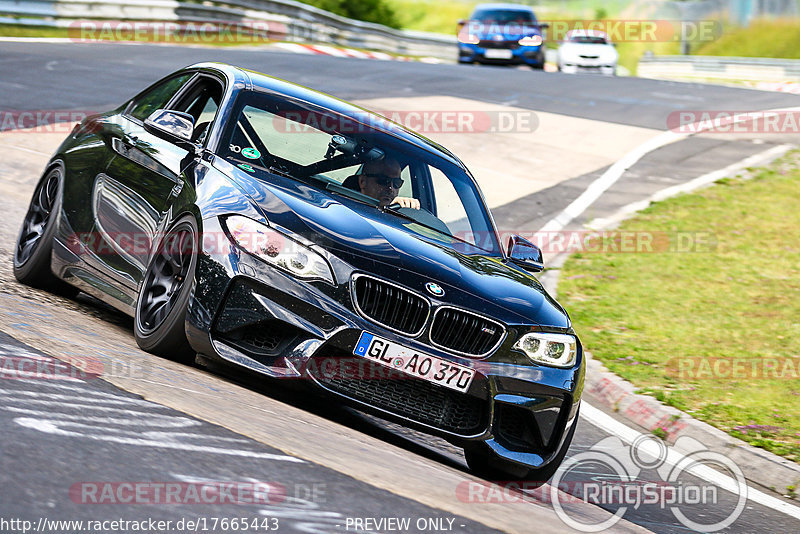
x=499, y=53
x=414, y=363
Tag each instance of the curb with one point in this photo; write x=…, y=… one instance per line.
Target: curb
x=617, y=396
x=337, y=51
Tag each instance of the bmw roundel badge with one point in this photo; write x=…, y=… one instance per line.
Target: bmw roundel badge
x=434, y=289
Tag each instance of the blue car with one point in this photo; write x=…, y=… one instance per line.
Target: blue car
x=502, y=34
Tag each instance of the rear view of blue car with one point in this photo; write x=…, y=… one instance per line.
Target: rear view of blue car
x=502, y=34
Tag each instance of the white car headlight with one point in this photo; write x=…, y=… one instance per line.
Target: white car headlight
x=278, y=249
x=558, y=350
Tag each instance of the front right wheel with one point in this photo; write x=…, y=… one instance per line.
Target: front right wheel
x=486, y=465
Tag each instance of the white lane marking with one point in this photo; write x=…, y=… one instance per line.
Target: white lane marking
x=151, y=420
x=605, y=222
x=36, y=40
x=166, y=436
x=615, y=172
x=120, y=429
x=627, y=434
x=78, y=406
x=57, y=396
x=49, y=427
x=86, y=391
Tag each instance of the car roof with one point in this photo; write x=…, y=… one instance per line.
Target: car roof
x=508, y=7
x=256, y=80
x=586, y=33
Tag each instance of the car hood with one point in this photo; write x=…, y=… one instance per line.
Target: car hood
x=376, y=242
x=488, y=31
x=603, y=51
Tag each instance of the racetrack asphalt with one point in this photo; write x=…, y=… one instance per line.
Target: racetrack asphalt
x=101, y=76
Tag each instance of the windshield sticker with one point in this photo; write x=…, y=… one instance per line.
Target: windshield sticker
x=251, y=153
x=246, y=167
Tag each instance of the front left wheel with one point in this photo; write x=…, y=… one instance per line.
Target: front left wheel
x=159, y=324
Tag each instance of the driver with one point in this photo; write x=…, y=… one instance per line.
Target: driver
x=381, y=180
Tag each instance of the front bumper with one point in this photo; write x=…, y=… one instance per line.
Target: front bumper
x=577, y=67
x=250, y=314
x=518, y=55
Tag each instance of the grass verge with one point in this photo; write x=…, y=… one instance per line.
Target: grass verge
x=777, y=38
x=714, y=331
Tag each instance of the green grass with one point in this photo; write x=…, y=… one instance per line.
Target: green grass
x=431, y=15
x=11, y=30
x=642, y=314
x=778, y=38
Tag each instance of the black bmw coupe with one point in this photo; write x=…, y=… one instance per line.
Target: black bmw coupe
x=235, y=217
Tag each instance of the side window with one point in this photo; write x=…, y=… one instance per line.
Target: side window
x=449, y=206
x=201, y=101
x=156, y=97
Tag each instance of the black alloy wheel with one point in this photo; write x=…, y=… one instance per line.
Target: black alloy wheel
x=34, y=247
x=164, y=293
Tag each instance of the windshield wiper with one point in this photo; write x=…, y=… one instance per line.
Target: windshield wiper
x=280, y=172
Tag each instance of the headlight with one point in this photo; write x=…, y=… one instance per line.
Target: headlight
x=558, y=350
x=278, y=249
x=467, y=37
x=531, y=40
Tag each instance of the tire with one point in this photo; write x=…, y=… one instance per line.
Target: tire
x=483, y=463
x=159, y=322
x=34, y=246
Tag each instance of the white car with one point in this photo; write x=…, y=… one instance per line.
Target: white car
x=587, y=51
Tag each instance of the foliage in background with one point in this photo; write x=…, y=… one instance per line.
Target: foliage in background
x=377, y=11
x=431, y=16
x=778, y=38
x=642, y=314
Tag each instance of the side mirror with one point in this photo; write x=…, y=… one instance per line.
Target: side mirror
x=544, y=25
x=461, y=22
x=174, y=126
x=525, y=254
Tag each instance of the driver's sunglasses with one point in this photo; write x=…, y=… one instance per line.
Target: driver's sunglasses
x=385, y=181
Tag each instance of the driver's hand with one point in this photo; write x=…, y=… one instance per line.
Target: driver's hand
x=406, y=202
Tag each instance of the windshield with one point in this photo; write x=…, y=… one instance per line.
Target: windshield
x=503, y=16
x=587, y=39
x=356, y=162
